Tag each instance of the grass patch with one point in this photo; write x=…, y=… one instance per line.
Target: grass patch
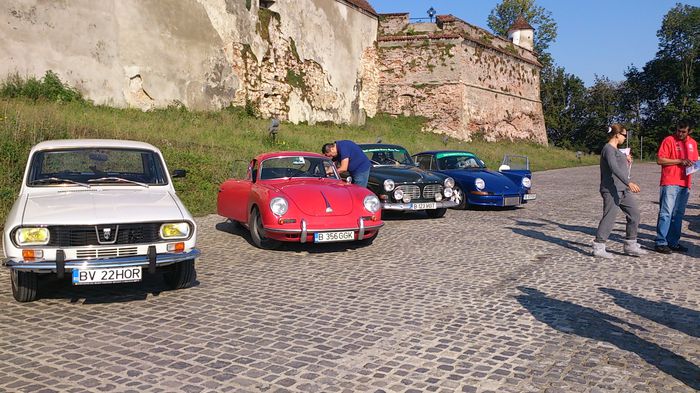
x=213, y=145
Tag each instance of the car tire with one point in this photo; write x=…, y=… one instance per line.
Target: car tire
x=182, y=275
x=460, y=197
x=436, y=213
x=257, y=232
x=25, y=285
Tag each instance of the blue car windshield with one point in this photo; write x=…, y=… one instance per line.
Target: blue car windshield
x=388, y=156
x=464, y=160
x=92, y=165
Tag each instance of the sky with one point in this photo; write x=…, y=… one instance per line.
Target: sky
x=594, y=37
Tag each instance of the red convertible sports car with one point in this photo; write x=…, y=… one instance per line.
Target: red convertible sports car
x=299, y=197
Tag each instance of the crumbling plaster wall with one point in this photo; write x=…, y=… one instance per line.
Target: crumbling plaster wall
x=303, y=60
x=121, y=52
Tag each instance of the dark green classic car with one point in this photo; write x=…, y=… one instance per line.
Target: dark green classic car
x=401, y=185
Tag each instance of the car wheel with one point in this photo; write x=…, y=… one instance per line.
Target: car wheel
x=25, y=285
x=460, y=197
x=183, y=275
x=257, y=232
x=436, y=213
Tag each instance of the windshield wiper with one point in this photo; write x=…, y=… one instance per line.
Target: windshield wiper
x=58, y=180
x=118, y=180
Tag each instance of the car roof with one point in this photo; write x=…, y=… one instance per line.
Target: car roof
x=265, y=156
x=379, y=146
x=102, y=143
x=433, y=152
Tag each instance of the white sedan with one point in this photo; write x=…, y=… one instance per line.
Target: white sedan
x=101, y=211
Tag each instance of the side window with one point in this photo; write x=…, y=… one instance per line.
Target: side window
x=424, y=161
x=433, y=163
x=252, y=171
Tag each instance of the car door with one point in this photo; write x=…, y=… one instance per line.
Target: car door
x=234, y=195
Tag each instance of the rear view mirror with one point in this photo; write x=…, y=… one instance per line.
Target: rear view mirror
x=348, y=179
x=178, y=173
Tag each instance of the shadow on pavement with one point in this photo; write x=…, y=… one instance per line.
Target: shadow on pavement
x=554, y=240
x=152, y=284
x=679, y=318
x=235, y=228
x=571, y=318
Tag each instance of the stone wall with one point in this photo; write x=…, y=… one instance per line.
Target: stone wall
x=303, y=60
x=466, y=82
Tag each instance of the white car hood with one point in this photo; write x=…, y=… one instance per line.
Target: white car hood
x=101, y=206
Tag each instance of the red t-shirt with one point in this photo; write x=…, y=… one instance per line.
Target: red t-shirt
x=674, y=175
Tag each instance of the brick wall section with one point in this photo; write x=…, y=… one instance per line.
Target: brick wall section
x=390, y=24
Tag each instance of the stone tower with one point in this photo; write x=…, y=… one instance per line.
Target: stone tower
x=522, y=34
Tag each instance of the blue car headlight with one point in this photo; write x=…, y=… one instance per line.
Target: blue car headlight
x=527, y=183
x=479, y=183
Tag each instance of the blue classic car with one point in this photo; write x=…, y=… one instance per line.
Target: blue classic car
x=476, y=185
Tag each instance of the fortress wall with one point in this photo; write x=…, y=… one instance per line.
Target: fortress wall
x=462, y=87
x=304, y=60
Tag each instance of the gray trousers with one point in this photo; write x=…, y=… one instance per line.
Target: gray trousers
x=612, y=204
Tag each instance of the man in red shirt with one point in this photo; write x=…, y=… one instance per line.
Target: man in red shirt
x=677, y=154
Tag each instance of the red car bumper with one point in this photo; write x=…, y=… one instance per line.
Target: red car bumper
x=304, y=231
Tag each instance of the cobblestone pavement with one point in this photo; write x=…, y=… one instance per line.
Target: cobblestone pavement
x=479, y=301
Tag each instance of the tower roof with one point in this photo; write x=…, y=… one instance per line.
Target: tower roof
x=520, y=24
x=363, y=4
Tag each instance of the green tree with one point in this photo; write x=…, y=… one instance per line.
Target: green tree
x=563, y=101
x=505, y=13
x=602, y=107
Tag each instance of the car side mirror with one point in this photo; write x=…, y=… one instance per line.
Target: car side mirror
x=178, y=173
x=348, y=179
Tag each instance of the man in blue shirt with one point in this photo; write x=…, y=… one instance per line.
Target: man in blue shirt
x=352, y=159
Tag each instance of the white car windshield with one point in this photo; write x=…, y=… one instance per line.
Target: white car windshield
x=297, y=166
x=90, y=166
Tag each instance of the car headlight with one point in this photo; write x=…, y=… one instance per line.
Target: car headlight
x=448, y=192
x=527, y=183
x=371, y=203
x=398, y=194
x=175, y=230
x=279, y=206
x=479, y=183
x=388, y=185
x=32, y=236
x=449, y=182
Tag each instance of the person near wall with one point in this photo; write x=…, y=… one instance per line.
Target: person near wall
x=676, y=153
x=350, y=158
x=618, y=194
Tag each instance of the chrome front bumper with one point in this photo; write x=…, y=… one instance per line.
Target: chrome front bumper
x=409, y=206
x=101, y=263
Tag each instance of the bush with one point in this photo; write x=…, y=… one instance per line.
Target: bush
x=49, y=88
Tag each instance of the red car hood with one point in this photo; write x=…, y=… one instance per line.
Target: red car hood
x=319, y=198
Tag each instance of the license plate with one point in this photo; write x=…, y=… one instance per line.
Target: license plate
x=529, y=197
x=424, y=206
x=321, y=237
x=511, y=201
x=106, y=276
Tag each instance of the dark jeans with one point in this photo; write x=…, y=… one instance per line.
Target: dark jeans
x=360, y=178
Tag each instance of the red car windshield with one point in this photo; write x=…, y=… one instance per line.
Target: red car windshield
x=297, y=166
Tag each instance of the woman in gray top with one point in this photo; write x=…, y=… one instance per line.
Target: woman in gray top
x=617, y=192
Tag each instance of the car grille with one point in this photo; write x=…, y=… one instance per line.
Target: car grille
x=86, y=235
x=411, y=191
x=106, y=252
x=430, y=190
